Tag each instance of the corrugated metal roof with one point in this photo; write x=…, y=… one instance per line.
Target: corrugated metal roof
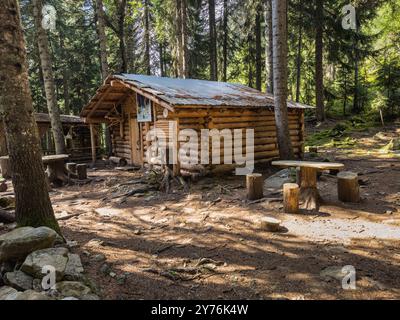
x=44, y=117
x=201, y=92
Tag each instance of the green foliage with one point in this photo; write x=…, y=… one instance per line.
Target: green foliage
x=373, y=48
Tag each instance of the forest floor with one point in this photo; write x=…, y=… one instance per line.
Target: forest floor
x=207, y=244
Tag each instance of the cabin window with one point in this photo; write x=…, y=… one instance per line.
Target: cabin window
x=143, y=109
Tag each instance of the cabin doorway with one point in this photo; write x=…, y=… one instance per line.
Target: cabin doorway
x=135, y=142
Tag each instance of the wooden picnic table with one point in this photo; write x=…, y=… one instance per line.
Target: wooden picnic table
x=54, y=165
x=308, y=175
x=55, y=168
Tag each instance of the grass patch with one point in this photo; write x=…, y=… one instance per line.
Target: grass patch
x=338, y=136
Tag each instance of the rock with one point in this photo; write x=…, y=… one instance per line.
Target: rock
x=8, y=293
x=74, y=268
x=37, y=285
x=55, y=257
x=95, y=243
x=6, y=267
x=19, y=280
x=108, y=212
x=121, y=279
x=275, y=182
x=72, y=244
x=72, y=289
x=334, y=272
x=31, y=295
x=20, y=242
x=90, y=297
x=70, y=298
x=3, y=186
x=105, y=269
x=98, y=258
x=270, y=224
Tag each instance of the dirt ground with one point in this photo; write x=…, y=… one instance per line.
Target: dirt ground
x=207, y=244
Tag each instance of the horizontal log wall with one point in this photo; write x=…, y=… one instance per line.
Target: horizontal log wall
x=261, y=120
x=122, y=144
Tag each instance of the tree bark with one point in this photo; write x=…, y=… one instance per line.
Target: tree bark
x=258, y=48
x=46, y=63
x=147, y=38
x=225, y=43
x=101, y=31
x=65, y=75
x=33, y=206
x=319, y=72
x=269, y=56
x=299, y=57
x=185, y=51
x=279, y=10
x=178, y=30
x=121, y=35
x=213, y=41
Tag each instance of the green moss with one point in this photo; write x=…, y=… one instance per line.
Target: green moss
x=39, y=221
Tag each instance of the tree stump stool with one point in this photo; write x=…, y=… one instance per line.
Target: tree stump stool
x=71, y=167
x=291, y=193
x=255, y=186
x=5, y=166
x=348, y=187
x=270, y=224
x=81, y=170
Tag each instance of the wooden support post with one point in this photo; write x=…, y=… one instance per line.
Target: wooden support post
x=309, y=192
x=93, y=143
x=348, y=187
x=291, y=197
x=255, y=185
x=81, y=170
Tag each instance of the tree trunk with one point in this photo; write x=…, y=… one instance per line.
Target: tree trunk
x=269, y=56
x=147, y=38
x=121, y=35
x=213, y=41
x=101, y=31
x=258, y=48
x=319, y=72
x=356, y=102
x=225, y=42
x=65, y=73
x=280, y=78
x=185, y=53
x=299, y=57
x=46, y=63
x=33, y=206
x=161, y=54
x=178, y=30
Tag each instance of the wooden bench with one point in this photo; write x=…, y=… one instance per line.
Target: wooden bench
x=308, y=175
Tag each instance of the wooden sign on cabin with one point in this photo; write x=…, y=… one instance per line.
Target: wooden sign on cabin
x=143, y=109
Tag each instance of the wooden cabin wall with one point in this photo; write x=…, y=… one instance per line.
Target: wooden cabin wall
x=262, y=120
x=80, y=149
x=122, y=145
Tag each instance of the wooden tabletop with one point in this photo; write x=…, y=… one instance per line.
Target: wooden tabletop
x=54, y=158
x=308, y=164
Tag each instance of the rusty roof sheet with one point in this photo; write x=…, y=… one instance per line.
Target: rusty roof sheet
x=177, y=91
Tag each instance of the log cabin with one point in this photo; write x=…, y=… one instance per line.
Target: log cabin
x=133, y=106
x=77, y=138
